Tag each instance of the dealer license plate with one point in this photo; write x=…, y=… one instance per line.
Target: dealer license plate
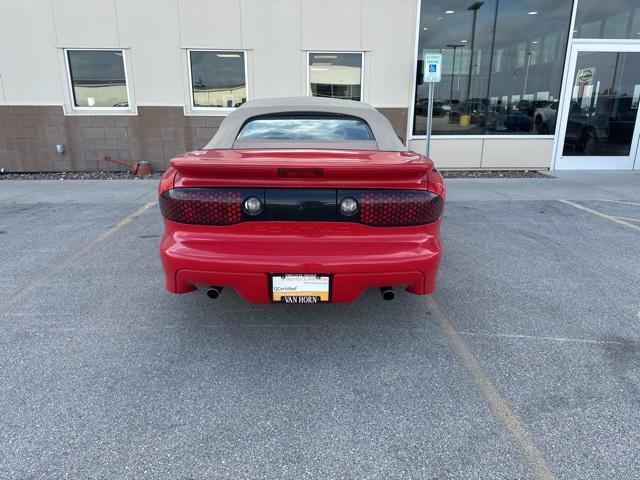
x=300, y=288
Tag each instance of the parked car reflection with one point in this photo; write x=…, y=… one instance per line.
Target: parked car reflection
x=519, y=119
x=605, y=129
x=544, y=118
x=509, y=118
x=470, y=112
x=440, y=108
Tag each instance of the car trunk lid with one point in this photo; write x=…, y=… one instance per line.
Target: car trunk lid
x=301, y=168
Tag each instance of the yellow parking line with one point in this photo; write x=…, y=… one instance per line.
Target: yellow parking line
x=66, y=262
x=601, y=214
x=497, y=404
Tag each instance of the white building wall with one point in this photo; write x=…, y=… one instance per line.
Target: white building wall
x=150, y=29
x=389, y=65
x=80, y=23
x=332, y=24
x=276, y=33
x=204, y=23
x=28, y=63
x=488, y=153
x=272, y=34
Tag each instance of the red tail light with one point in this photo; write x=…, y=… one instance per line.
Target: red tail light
x=397, y=209
x=224, y=206
x=202, y=206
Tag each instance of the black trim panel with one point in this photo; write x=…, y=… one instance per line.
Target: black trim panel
x=303, y=204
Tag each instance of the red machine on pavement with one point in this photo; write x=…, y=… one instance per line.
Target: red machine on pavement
x=302, y=200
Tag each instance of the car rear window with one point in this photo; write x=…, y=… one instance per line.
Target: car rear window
x=301, y=128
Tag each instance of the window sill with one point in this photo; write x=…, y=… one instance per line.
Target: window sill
x=483, y=137
x=208, y=111
x=89, y=111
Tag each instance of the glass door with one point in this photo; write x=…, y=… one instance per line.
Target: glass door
x=599, y=125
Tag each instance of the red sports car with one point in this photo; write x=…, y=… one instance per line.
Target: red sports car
x=302, y=200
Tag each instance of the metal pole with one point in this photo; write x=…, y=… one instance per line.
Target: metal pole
x=453, y=73
x=473, y=42
x=526, y=75
x=429, y=119
x=474, y=7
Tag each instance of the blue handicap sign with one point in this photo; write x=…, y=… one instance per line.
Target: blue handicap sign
x=432, y=64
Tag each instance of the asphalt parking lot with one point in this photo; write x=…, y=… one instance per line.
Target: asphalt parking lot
x=524, y=364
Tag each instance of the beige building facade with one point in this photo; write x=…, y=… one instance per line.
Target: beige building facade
x=148, y=79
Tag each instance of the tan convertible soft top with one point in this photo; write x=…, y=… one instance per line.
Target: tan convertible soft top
x=385, y=137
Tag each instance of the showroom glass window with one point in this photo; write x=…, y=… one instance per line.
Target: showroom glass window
x=98, y=78
x=502, y=63
x=218, y=79
x=608, y=19
x=336, y=75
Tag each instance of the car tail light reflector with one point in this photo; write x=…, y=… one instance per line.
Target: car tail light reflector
x=300, y=172
x=399, y=208
x=202, y=206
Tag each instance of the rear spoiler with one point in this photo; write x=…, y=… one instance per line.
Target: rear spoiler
x=302, y=168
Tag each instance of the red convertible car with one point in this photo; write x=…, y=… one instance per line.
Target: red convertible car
x=302, y=200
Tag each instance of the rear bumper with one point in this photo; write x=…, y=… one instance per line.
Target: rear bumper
x=243, y=256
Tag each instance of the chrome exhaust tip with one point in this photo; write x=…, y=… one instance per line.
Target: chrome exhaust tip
x=214, y=292
x=387, y=293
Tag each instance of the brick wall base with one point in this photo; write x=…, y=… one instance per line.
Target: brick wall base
x=29, y=135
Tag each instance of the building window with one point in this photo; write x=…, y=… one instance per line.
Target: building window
x=616, y=19
x=98, y=79
x=502, y=65
x=335, y=75
x=218, y=79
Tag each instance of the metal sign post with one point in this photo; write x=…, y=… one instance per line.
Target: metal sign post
x=432, y=68
x=429, y=119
